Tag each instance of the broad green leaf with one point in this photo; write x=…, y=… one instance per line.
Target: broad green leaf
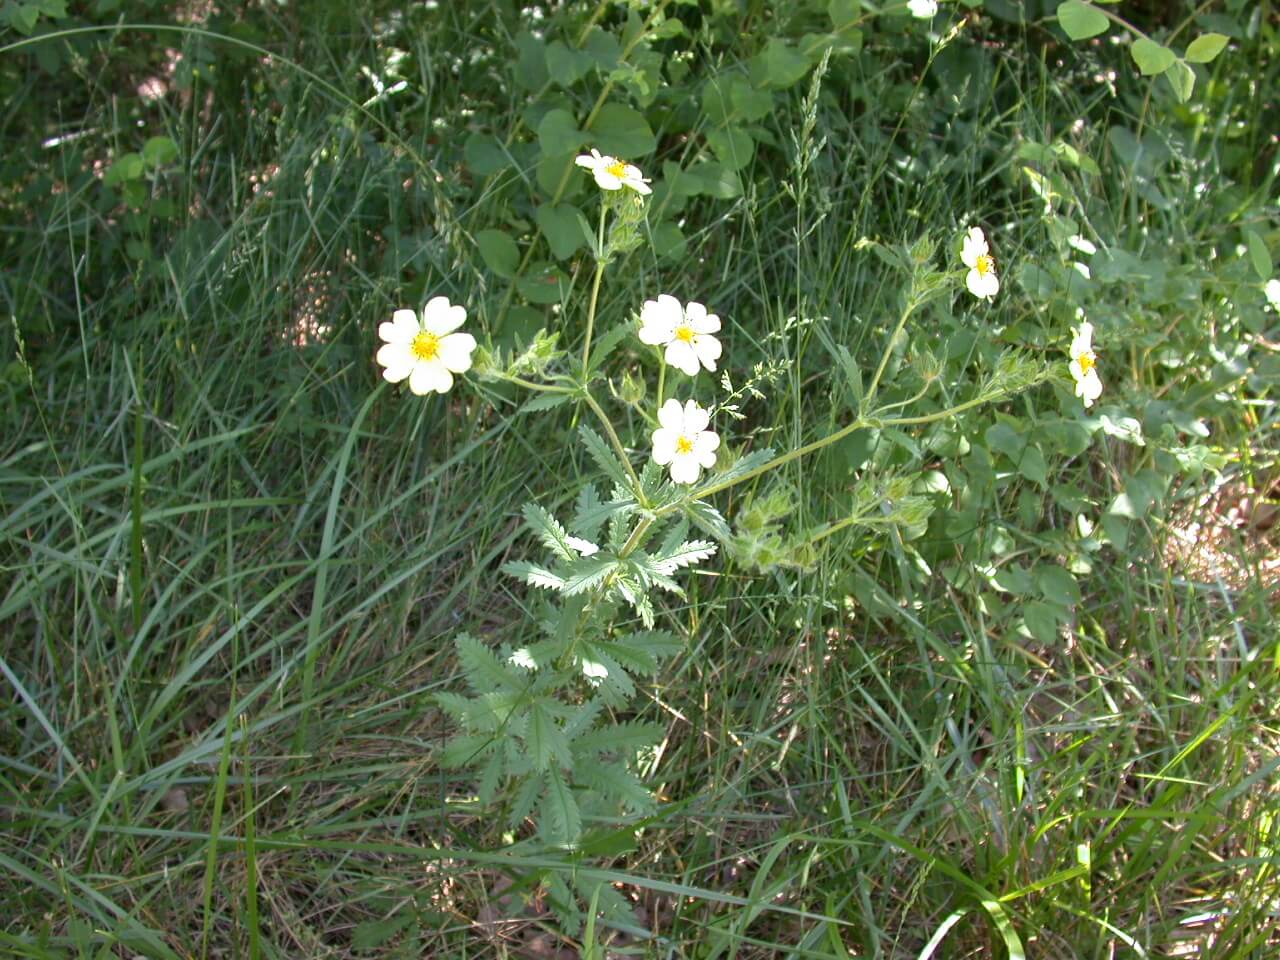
x=1151, y=57
x=558, y=132
x=130, y=166
x=1259, y=255
x=499, y=252
x=158, y=151
x=531, y=61
x=1182, y=78
x=1057, y=585
x=1014, y=580
x=750, y=102
x=564, y=226
x=1205, y=47
x=1080, y=21
x=483, y=154
x=1002, y=438
x=566, y=66
x=622, y=131
x=1032, y=465
x=1041, y=620
x=543, y=283
x=714, y=180
x=732, y=147
x=779, y=66
x=843, y=13
x=668, y=240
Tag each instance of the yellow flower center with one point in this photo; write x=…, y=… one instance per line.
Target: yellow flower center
x=1087, y=362
x=684, y=445
x=616, y=169
x=425, y=346
x=986, y=264
x=685, y=334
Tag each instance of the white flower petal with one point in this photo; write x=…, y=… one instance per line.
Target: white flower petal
x=455, y=351
x=982, y=285
x=1272, y=292
x=695, y=418
x=395, y=355
x=681, y=356
x=705, y=445
x=923, y=9
x=401, y=328
x=430, y=376
x=671, y=416
x=973, y=247
x=664, y=445
x=441, y=317
x=685, y=469
x=606, y=180
x=708, y=351
x=658, y=319
x=707, y=323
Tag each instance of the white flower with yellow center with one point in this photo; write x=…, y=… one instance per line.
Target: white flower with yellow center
x=612, y=173
x=684, y=331
x=924, y=9
x=428, y=353
x=981, y=279
x=683, y=440
x=1084, y=364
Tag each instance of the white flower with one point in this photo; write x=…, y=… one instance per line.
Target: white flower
x=612, y=173
x=981, y=280
x=1272, y=292
x=428, y=353
x=684, y=331
x=1084, y=364
x=1078, y=242
x=684, y=441
x=924, y=9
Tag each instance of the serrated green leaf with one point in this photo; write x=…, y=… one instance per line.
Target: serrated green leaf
x=591, y=513
x=619, y=784
x=558, y=816
x=1080, y=21
x=586, y=573
x=548, y=530
x=621, y=739
x=604, y=457
x=533, y=574
x=605, y=345
x=465, y=749
x=456, y=706
x=708, y=519
x=1205, y=47
x=1151, y=57
x=499, y=252
x=629, y=658
x=369, y=934
x=545, y=401
x=523, y=802
x=546, y=742
x=484, y=672
x=741, y=467
x=658, y=644
x=687, y=554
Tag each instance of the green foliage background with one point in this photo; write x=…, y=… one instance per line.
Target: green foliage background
x=235, y=569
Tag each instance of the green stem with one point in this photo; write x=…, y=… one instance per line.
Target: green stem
x=888, y=352
x=662, y=374
x=637, y=535
x=595, y=288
